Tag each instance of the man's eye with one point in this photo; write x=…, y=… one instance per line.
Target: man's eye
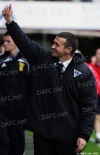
x=56, y=44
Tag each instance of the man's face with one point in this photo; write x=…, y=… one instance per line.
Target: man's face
x=9, y=44
x=58, y=47
x=98, y=55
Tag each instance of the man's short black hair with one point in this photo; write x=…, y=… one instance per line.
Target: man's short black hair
x=71, y=40
x=1, y=42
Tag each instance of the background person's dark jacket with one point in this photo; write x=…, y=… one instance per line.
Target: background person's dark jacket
x=65, y=114
x=15, y=78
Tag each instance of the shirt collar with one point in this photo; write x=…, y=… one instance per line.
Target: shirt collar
x=66, y=63
x=2, y=53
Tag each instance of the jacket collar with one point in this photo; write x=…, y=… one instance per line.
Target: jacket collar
x=77, y=58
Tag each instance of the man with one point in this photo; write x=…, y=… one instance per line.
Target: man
x=64, y=92
x=14, y=92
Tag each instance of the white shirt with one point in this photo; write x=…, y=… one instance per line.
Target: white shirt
x=66, y=63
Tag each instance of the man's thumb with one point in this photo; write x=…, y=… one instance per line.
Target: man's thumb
x=10, y=7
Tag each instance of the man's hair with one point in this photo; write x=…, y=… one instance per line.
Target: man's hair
x=97, y=49
x=71, y=40
x=7, y=34
x=1, y=42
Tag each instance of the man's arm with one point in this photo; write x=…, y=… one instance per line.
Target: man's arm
x=32, y=51
x=88, y=105
x=32, y=79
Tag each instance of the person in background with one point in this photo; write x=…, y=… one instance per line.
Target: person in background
x=57, y=113
x=93, y=60
x=15, y=79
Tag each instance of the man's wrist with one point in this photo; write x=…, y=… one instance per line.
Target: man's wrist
x=9, y=21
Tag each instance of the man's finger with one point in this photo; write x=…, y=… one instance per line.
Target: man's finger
x=80, y=148
x=4, y=12
x=7, y=9
x=78, y=145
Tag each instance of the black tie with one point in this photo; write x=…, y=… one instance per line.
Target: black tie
x=61, y=69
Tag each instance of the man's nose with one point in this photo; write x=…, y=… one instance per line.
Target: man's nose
x=5, y=43
x=53, y=46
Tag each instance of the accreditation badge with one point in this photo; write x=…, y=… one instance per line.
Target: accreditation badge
x=21, y=66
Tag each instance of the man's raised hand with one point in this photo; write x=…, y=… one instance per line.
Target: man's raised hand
x=7, y=13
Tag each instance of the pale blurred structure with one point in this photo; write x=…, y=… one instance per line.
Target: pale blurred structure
x=58, y=0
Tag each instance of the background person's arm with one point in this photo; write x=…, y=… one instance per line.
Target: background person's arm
x=32, y=51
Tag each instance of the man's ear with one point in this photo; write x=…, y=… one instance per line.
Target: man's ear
x=68, y=50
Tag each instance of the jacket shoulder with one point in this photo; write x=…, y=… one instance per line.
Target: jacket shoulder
x=86, y=71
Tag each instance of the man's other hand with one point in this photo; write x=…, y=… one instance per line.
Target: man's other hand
x=81, y=143
x=7, y=13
